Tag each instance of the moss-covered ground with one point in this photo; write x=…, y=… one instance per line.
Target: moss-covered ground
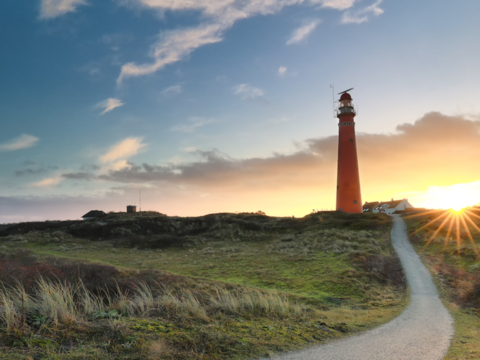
x=332, y=274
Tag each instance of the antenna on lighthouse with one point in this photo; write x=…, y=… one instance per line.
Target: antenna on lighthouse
x=333, y=99
x=343, y=92
x=140, y=200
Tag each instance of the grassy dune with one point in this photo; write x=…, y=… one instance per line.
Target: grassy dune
x=456, y=270
x=223, y=286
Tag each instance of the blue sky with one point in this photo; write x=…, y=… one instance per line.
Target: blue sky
x=201, y=90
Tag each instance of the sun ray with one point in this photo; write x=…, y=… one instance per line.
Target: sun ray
x=469, y=235
x=470, y=213
x=459, y=240
x=423, y=213
x=431, y=222
x=473, y=224
x=444, y=222
x=449, y=232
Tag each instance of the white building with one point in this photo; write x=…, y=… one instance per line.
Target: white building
x=387, y=207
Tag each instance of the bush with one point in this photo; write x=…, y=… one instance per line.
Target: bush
x=23, y=268
x=464, y=286
x=385, y=269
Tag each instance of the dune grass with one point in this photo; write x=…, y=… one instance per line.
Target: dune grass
x=242, y=286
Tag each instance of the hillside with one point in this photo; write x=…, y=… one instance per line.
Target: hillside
x=220, y=286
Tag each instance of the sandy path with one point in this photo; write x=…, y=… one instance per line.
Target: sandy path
x=422, y=332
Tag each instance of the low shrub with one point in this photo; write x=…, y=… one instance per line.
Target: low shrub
x=23, y=268
x=464, y=286
x=163, y=241
x=385, y=269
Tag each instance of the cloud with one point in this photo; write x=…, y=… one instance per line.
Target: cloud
x=282, y=120
x=190, y=149
x=52, y=8
x=338, y=4
x=217, y=16
x=124, y=149
x=362, y=15
x=24, y=141
x=193, y=124
x=49, y=182
x=29, y=172
x=78, y=176
x=436, y=150
x=92, y=69
x=303, y=32
x=282, y=70
x=119, y=165
x=109, y=105
x=247, y=92
x=172, y=47
x=172, y=90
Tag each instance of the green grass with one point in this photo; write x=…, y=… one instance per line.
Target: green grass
x=457, y=276
x=240, y=286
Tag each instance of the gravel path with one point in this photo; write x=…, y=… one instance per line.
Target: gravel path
x=421, y=332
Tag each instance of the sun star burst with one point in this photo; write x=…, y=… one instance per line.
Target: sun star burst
x=457, y=221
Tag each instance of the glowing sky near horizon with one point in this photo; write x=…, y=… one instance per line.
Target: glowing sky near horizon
x=223, y=106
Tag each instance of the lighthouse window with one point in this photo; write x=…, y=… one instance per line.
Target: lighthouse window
x=351, y=140
x=349, y=123
x=345, y=123
x=355, y=201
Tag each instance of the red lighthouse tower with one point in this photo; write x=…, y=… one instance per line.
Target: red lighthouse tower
x=349, y=198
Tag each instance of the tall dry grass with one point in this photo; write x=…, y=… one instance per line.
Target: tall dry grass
x=254, y=301
x=57, y=303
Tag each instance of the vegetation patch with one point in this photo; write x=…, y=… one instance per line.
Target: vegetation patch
x=452, y=260
x=223, y=286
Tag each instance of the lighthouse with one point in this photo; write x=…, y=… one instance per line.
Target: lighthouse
x=349, y=198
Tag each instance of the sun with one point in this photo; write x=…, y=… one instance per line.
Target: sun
x=457, y=222
x=455, y=197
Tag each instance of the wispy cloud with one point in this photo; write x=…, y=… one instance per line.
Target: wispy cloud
x=123, y=150
x=109, y=105
x=34, y=169
x=282, y=70
x=362, y=15
x=172, y=90
x=29, y=172
x=281, y=120
x=193, y=124
x=79, y=176
x=218, y=15
x=338, y=4
x=173, y=46
x=189, y=150
x=47, y=182
x=52, y=8
x=22, y=142
x=248, y=92
x=302, y=32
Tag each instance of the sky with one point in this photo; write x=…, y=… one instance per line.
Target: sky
x=209, y=106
